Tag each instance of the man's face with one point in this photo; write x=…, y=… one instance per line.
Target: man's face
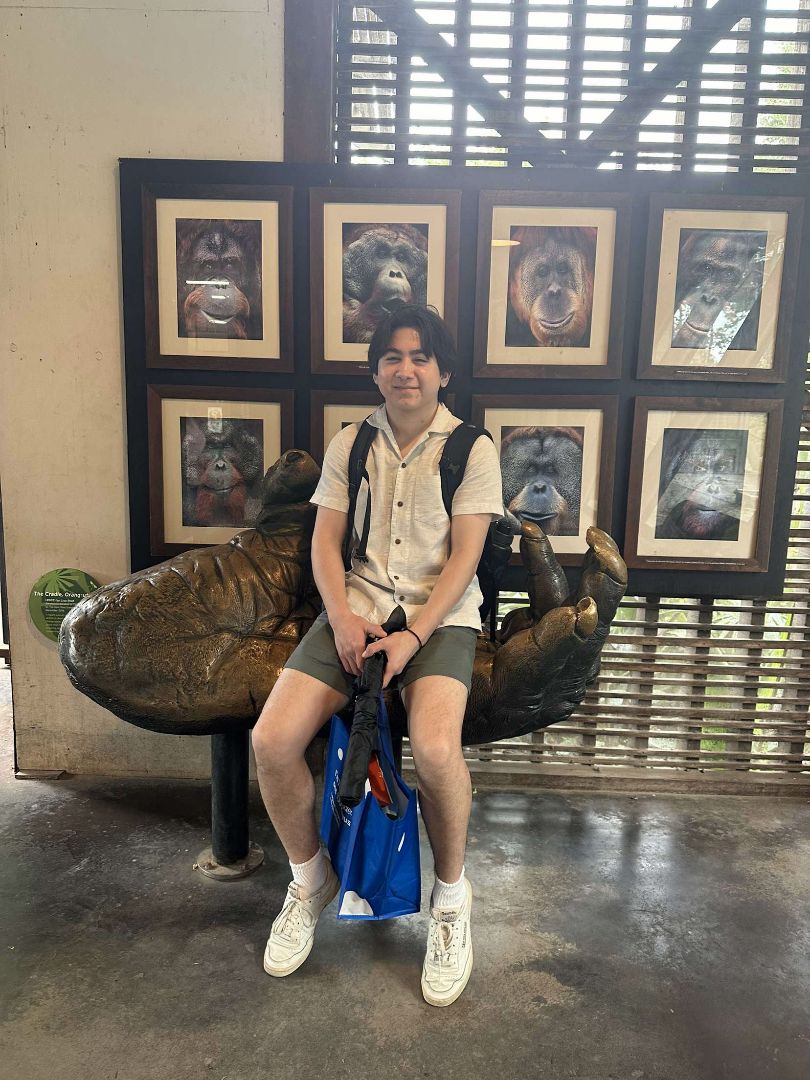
x=407, y=378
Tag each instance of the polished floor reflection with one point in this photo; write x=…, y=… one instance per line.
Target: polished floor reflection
x=623, y=937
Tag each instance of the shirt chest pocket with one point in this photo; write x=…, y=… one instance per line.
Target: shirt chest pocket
x=428, y=506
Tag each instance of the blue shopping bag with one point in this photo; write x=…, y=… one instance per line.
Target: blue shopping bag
x=376, y=856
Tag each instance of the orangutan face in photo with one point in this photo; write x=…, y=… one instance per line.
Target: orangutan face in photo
x=219, y=280
x=551, y=275
x=384, y=267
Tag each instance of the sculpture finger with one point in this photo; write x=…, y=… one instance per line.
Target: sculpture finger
x=598, y=537
x=547, y=585
x=604, y=574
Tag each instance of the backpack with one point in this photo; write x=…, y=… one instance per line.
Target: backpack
x=452, y=464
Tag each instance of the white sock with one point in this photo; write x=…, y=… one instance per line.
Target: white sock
x=446, y=895
x=311, y=875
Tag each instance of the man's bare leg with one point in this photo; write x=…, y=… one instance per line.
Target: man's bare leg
x=297, y=708
x=435, y=705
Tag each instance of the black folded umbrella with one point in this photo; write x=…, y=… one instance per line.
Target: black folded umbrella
x=363, y=741
x=494, y=559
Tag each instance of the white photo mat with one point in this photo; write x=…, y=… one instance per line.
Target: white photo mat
x=336, y=417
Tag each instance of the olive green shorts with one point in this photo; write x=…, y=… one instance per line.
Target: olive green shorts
x=450, y=651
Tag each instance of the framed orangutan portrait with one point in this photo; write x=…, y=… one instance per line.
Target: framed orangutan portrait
x=719, y=288
x=368, y=258
x=557, y=456
x=551, y=278
x=702, y=483
x=218, y=277
x=209, y=449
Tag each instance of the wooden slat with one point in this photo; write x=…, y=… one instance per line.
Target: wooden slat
x=668, y=663
x=705, y=758
x=674, y=720
x=729, y=732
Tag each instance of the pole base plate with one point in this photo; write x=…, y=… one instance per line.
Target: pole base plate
x=230, y=871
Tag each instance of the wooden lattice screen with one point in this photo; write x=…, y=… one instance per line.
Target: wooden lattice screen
x=707, y=693
x=625, y=85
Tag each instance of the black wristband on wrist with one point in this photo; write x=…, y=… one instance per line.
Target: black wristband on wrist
x=408, y=630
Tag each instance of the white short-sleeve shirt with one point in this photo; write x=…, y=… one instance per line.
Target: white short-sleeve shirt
x=409, y=534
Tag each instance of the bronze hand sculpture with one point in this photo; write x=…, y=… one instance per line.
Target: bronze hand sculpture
x=193, y=646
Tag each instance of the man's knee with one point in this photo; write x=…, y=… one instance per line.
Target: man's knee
x=294, y=713
x=276, y=742
x=272, y=747
x=436, y=756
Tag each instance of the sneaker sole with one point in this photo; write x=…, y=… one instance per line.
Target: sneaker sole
x=439, y=1002
x=280, y=971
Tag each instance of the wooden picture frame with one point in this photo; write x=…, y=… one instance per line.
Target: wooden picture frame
x=248, y=238
x=589, y=237
x=732, y=260
x=585, y=426
x=261, y=429
x=427, y=228
x=703, y=481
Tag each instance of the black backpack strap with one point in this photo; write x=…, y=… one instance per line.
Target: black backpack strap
x=357, y=473
x=454, y=459
x=497, y=548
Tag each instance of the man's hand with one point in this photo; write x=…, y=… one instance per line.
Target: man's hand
x=399, y=649
x=350, y=639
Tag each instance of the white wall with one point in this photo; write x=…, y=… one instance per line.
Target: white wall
x=81, y=86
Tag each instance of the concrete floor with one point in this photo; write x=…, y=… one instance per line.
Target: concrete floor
x=663, y=938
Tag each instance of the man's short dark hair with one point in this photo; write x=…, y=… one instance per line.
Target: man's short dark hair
x=434, y=336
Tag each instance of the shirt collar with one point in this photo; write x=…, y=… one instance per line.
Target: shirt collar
x=443, y=422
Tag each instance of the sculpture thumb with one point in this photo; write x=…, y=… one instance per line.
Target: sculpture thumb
x=561, y=630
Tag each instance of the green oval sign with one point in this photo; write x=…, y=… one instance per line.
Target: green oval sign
x=54, y=595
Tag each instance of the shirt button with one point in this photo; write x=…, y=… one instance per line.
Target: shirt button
x=403, y=465
x=397, y=541
x=400, y=504
x=402, y=597
x=396, y=577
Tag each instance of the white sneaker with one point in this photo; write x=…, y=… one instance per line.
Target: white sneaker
x=293, y=932
x=449, y=956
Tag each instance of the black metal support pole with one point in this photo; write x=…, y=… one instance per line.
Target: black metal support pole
x=231, y=855
x=229, y=796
